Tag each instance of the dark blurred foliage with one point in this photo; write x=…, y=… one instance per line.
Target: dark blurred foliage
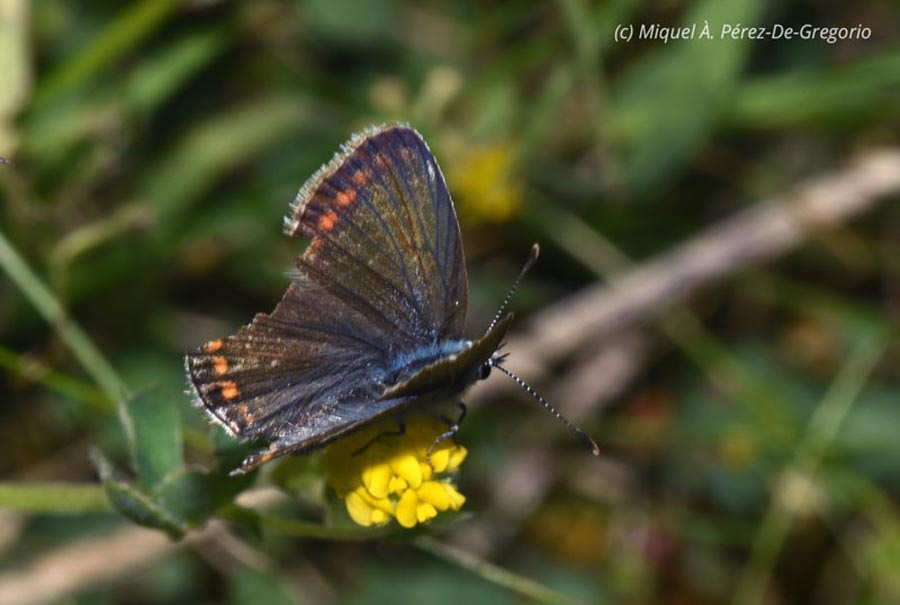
x=157, y=144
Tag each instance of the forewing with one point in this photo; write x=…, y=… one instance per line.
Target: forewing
x=385, y=238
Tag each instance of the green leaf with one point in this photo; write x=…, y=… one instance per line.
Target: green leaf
x=166, y=495
x=299, y=474
x=670, y=102
x=157, y=447
x=371, y=19
x=187, y=494
x=193, y=495
x=161, y=74
x=134, y=503
x=216, y=146
x=867, y=88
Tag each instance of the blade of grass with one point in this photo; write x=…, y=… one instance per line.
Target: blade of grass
x=492, y=573
x=90, y=236
x=820, y=432
x=52, y=311
x=822, y=96
x=127, y=31
x=163, y=73
x=16, y=66
x=35, y=371
x=683, y=329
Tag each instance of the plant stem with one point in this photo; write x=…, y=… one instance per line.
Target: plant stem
x=75, y=498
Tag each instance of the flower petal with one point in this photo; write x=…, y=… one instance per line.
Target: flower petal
x=359, y=510
x=377, y=478
x=406, y=511
x=398, y=485
x=457, y=456
x=408, y=467
x=456, y=498
x=434, y=493
x=424, y=512
x=385, y=504
x=439, y=459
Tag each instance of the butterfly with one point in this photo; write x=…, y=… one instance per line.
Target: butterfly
x=371, y=325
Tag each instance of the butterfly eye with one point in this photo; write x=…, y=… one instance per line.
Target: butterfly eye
x=484, y=371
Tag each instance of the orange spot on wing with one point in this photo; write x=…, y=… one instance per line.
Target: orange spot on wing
x=345, y=198
x=221, y=365
x=212, y=347
x=229, y=390
x=246, y=415
x=328, y=221
x=361, y=178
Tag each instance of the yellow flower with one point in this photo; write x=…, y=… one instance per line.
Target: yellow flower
x=484, y=181
x=391, y=478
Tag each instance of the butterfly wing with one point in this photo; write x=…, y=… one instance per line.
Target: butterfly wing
x=383, y=275
x=302, y=376
x=385, y=237
x=288, y=366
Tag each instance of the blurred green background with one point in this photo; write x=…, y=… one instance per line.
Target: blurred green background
x=753, y=458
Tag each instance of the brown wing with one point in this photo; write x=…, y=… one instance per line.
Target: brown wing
x=383, y=275
x=385, y=237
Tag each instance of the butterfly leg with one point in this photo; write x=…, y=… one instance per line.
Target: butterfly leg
x=449, y=433
x=401, y=430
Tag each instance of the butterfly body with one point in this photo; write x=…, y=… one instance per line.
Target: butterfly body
x=372, y=322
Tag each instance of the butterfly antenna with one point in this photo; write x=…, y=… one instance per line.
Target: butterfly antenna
x=577, y=431
x=532, y=257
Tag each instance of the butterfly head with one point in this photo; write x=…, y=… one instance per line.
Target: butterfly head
x=485, y=369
